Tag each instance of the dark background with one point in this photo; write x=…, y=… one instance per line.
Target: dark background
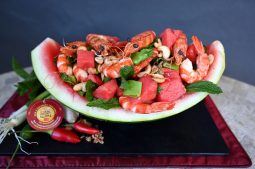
x=24, y=24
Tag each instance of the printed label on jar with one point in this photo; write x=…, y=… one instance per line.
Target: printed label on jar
x=45, y=114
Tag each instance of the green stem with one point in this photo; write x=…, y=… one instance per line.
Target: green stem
x=13, y=155
x=43, y=95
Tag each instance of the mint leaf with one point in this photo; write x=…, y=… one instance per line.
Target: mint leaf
x=204, y=86
x=90, y=87
x=81, y=93
x=72, y=60
x=171, y=66
x=138, y=57
x=126, y=72
x=106, y=79
x=17, y=68
x=104, y=104
x=68, y=79
x=159, y=89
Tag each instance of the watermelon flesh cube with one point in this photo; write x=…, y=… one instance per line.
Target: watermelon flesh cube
x=172, y=89
x=149, y=89
x=169, y=36
x=96, y=79
x=85, y=59
x=107, y=90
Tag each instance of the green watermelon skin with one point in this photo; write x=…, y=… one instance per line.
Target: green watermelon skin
x=46, y=71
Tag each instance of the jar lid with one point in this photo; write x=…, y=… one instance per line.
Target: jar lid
x=45, y=114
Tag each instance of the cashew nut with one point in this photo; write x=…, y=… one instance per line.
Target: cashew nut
x=146, y=71
x=165, y=52
x=92, y=71
x=110, y=60
x=80, y=86
x=158, y=44
x=82, y=48
x=99, y=60
x=158, y=78
x=154, y=69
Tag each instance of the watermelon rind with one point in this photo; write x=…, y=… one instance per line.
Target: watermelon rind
x=46, y=71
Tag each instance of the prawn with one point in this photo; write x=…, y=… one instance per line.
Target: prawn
x=80, y=74
x=113, y=71
x=71, y=48
x=180, y=49
x=101, y=43
x=139, y=41
x=63, y=65
x=135, y=105
x=203, y=61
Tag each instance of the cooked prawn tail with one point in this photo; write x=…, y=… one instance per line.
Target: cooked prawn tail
x=198, y=45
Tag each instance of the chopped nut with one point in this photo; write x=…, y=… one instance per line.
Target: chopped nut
x=80, y=86
x=146, y=71
x=92, y=71
x=99, y=60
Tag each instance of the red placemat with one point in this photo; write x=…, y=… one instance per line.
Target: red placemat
x=236, y=158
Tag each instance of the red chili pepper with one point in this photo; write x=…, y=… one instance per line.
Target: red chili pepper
x=63, y=135
x=84, y=128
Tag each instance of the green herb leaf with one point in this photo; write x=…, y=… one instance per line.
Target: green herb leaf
x=81, y=93
x=72, y=60
x=17, y=68
x=90, y=87
x=132, y=88
x=89, y=47
x=138, y=57
x=159, y=89
x=170, y=66
x=127, y=71
x=104, y=104
x=106, y=79
x=68, y=79
x=204, y=86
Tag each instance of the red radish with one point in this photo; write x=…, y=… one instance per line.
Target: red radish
x=85, y=59
x=96, y=79
x=169, y=36
x=172, y=89
x=85, y=128
x=106, y=91
x=63, y=135
x=149, y=89
x=192, y=53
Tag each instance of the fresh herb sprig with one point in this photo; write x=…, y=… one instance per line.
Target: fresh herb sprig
x=104, y=104
x=204, y=86
x=30, y=83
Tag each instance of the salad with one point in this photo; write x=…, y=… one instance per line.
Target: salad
x=145, y=74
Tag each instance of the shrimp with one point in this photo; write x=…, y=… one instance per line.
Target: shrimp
x=80, y=74
x=71, y=48
x=203, y=61
x=145, y=62
x=101, y=43
x=113, y=71
x=180, y=49
x=139, y=41
x=63, y=65
x=135, y=105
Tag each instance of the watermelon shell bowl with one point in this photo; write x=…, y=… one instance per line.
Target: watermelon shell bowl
x=47, y=71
